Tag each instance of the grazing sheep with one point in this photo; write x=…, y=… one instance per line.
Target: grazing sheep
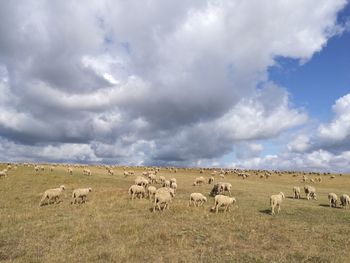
x=136, y=190
x=215, y=190
x=296, y=192
x=223, y=200
x=333, y=199
x=110, y=171
x=199, y=181
x=166, y=189
x=197, y=199
x=126, y=173
x=52, y=194
x=152, y=178
x=51, y=169
x=81, y=194
x=162, y=197
x=310, y=192
x=211, y=179
x=161, y=179
x=345, y=200
x=276, y=200
x=222, y=175
x=36, y=168
x=151, y=191
x=87, y=172
x=141, y=181
x=70, y=170
x=225, y=187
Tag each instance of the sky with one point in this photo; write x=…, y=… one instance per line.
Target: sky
x=237, y=84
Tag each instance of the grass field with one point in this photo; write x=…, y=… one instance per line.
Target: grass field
x=112, y=228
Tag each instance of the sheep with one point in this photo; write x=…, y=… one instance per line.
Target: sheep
x=42, y=168
x=87, y=172
x=210, y=180
x=173, y=186
x=276, y=200
x=161, y=179
x=197, y=199
x=51, y=169
x=223, y=200
x=141, y=181
x=110, y=171
x=36, y=168
x=296, y=191
x=222, y=175
x=166, y=183
x=51, y=194
x=152, y=178
x=345, y=200
x=136, y=190
x=215, y=190
x=151, y=191
x=3, y=173
x=80, y=193
x=225, y=187
x=333, y=199
x=199, y=181
x=310, y=192
x=126, y=173
x=162, y=197
x=70, y=170
x=166, y=189
x=172, y=180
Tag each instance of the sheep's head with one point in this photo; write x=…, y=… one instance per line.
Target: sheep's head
x=62, y=187
x=90, y=189
x=282, y=194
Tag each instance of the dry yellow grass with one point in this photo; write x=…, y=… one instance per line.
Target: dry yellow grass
x=112, y=228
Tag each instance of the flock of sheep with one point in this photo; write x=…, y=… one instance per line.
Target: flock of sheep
x=144, y=186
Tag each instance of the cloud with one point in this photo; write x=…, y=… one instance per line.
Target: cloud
x=151, y=82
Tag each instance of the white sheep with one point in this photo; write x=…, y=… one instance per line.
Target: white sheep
x=81, y=194
x=161, y=179
x=310, y=192
x=3, y=173
x=210, y=180
x=173, y=186
x=141, y=181
x=166, y=183
x=87, y=171
x=345, y=200
x=276, y=200
x=172, y=180
x=333, y=199
x=136, y=190
x=223, y=200
x=51, y=194
x=70, y=170
x=162, y=197
x=152, y=178
x=225, y=187
x=296, y=192
x=199, y=181
x=151, y=191
x=197, y=199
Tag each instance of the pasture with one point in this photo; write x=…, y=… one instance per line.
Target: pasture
x=110, y=227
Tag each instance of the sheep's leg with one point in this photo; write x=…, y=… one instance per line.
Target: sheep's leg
x=217, y=208
x=272, y=210
x=279, y=209
x=229, y=192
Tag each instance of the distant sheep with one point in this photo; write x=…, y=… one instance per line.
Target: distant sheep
x=296, y=192
x=276, y=200
x=197, y=199
x=51, y=195
x=199, y=181
x=137, y=191
x=210, y=180
x=3, y=173
x=345, y=201
x=310, y=192
x=81, y=194
x=70, y=170
x=223, y=200
x=333, y=199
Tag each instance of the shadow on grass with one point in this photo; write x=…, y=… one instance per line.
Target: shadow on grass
x=301, y=198
x=266, y=211
x=327, y=205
